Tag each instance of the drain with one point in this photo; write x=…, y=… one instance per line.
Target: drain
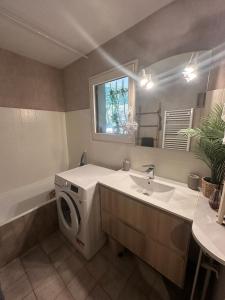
x=146, y=193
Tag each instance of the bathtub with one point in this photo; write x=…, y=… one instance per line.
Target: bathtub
x=27, y=216
x=20, y=201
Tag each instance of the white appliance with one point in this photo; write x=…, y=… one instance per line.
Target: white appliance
x=78, y=205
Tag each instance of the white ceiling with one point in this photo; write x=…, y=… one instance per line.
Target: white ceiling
x=81, y=24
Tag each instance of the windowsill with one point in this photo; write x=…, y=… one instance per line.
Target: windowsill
x=114, y=138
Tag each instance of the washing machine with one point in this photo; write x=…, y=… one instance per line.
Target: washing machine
x=78, y=205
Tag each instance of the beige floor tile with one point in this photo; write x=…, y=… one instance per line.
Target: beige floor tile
x=159, y=290
x=11, y=273
x=38, y=267
x=38, y=276
x=98, y=266
x=65, y=295
x=52, y=243
x=34, y=257
x=31, y=296
x=81, y=284
x=19, y=289
x=60, y=255
x=144, y=277
x=69, y=268
x=124, y=264
x=113, y=282
x=131, y=292
x=49, y=290
x=98, y=294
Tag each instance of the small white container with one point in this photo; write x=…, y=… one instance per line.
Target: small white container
x=126, y=165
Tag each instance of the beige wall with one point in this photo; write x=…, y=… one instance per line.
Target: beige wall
x=32, y=122
x=25, y=83
x=33, y=146
x=184, y=25
x=171, y=164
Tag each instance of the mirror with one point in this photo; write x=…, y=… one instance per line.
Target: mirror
x=171, y=96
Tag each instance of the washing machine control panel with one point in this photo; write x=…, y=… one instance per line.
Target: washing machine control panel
x=74, y=188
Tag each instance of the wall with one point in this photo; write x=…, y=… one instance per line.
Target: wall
x=23, y=233
x=171, y=164
x=33, y=142
x=25, y=83
x=182, y=26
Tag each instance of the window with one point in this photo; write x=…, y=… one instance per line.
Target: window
x=112, y=104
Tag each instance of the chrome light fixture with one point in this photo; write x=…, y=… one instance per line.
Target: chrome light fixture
x=144, y=78
x=150, y=83
x=190, y=71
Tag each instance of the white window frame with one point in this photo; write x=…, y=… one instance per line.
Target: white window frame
x=110, y=75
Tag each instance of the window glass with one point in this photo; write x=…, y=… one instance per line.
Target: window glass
x=111, y=106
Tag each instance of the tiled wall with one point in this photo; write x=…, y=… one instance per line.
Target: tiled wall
x=25, y=83
x=33, y=146
x=23, y=233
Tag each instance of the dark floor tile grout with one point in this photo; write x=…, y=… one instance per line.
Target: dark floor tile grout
x=97, y=282
x=27, y=276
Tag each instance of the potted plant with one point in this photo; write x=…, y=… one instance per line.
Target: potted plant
x=209, y=148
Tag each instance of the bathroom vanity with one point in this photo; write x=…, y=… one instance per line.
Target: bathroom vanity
x=153, y=220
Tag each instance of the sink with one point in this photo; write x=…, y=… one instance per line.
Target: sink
x=152, y=187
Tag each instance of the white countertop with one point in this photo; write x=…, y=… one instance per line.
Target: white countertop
x=180, y=201
x=207, y=232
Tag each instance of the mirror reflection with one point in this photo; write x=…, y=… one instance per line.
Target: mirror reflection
x=171, y=96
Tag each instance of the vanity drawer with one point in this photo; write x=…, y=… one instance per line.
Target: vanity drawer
x=165, y=228
x=167, y=262
x=130, y=211
x=123, y=233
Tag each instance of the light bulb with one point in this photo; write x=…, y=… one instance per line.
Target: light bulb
x=143, y=79
x=149, y=85
x=189, y=73
x=143, y=82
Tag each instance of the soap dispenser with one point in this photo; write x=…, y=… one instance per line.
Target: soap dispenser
x=83, y=160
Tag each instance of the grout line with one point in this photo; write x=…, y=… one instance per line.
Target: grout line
x=28, y=278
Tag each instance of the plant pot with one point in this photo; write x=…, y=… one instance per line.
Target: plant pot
x=215, y=198
x=208, y=187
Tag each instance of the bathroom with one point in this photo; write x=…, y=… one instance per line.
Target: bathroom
x=102, y=196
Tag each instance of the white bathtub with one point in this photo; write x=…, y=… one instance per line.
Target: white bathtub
x=20, y=201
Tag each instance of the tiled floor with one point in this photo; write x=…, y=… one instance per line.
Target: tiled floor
x=55, y=270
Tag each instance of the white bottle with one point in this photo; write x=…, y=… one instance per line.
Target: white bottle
x=126, y=165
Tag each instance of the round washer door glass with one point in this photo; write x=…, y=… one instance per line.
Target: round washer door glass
x=69, y=213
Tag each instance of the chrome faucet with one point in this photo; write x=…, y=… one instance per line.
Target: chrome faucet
x=150, y=171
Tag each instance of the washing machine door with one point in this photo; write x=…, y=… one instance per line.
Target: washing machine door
x=68, y=212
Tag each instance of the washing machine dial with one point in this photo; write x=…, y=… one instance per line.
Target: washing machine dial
x=66, y=184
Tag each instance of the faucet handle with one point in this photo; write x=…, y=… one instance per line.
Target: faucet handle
x=149, y=166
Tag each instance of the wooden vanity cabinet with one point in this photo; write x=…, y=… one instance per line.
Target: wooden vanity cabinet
x=159, y=238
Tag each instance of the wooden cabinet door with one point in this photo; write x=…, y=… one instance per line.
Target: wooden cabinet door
x=129, y=211
x=174, y=233
x=159, y=238
x=166, y=261
x=126, y=235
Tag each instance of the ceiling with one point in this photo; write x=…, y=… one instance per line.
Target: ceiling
x=80, y=24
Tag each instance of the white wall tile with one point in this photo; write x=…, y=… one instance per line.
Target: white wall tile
x=33, y=145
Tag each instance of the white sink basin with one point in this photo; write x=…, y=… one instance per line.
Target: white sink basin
x=152, y=188
x=166, y=194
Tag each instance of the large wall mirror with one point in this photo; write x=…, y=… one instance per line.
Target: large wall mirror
x=171, y=96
